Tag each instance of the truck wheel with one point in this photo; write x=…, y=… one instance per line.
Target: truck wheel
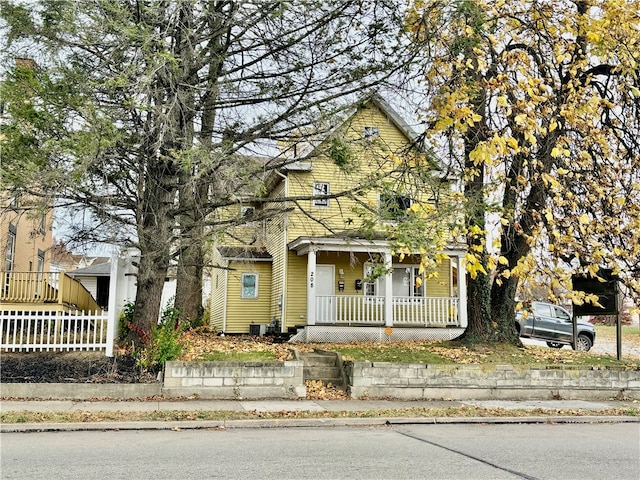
x=555, y=345
x=583, y=344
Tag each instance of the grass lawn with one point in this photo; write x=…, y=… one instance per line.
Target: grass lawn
x=202, y=346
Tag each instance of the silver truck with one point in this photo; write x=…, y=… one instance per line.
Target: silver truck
x=552, y=323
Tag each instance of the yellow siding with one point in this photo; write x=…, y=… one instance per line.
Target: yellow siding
x=240, y=235
x=287, y=274
x=440, y=286
x=218, y=293
x=241, y=312
x=370, y=156
x=275, y=241
x=296, y=291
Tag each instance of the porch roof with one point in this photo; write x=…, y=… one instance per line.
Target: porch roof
x=302, y=245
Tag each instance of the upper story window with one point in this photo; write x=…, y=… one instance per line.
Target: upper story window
x=43, y=225
x=14, y=202
x=320, y=189
x=370, y=133
x=249, y=285
x=247, y=213
x=11, y=248
x=394, y=207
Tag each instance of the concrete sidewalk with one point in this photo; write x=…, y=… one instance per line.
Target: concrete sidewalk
x=366, y=407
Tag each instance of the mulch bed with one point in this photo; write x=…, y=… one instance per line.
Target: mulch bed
x=71, y=367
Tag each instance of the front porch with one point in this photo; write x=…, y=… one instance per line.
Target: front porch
x=344, y=304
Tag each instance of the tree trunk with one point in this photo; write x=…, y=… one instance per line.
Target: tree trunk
x=192, y=257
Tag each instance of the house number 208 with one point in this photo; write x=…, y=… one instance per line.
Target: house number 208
x=311, y=279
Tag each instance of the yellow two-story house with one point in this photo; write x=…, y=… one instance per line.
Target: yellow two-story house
x=325, y=265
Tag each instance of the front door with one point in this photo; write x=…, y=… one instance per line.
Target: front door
x=325, y=294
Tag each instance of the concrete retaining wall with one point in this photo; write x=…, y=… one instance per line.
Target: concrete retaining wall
x=235, y=379
x=80, y=391
x=464, y=382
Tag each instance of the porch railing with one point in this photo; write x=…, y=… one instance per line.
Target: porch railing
x=45, y=287
x=370, y=310
x=350, y=309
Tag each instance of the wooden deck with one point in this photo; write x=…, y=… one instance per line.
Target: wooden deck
x=40, y=291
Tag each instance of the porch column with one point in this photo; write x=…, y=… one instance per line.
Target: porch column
x=388, y=292
x=311, y=287
x=462, y=292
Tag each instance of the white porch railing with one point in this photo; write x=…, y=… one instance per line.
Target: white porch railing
x=350, y=309
x=366, y=310
x=427, y=311
x=23, y=331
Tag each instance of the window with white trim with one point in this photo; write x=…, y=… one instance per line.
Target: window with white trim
x=369, y=133
x=320, y=189
x=249, y=285
x=375, y=287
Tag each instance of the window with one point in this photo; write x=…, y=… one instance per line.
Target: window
x=369, y=287
x=561, y=314
x=11, y=248
x=247, y=213
x=43, y=225
x=320, y=189
x=374, y=288
x=40, y=261
x=249, y=285
x=407, y=282
x=9, y=258
x=394, y=207
x=542, y=310
x=370, y=133
x=14, y=202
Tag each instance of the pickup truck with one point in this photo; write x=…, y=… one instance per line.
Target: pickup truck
x=552, y=323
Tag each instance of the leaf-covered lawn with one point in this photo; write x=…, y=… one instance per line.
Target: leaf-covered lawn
x=201, y=345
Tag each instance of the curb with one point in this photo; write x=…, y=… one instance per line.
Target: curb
x=303, y=423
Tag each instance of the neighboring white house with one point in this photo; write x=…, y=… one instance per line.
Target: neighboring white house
x=103, y=273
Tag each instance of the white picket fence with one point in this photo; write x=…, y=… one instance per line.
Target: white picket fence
x=24, y=331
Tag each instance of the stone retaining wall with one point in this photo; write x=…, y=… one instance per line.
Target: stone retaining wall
x=235, y=379
x=464, y=382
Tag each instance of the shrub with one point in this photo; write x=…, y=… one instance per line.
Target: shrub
x=165, y=343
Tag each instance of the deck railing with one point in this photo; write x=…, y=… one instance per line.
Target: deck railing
x=45, y=287
x=370, y=310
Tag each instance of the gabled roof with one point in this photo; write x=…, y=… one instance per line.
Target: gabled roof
x=378, y=102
